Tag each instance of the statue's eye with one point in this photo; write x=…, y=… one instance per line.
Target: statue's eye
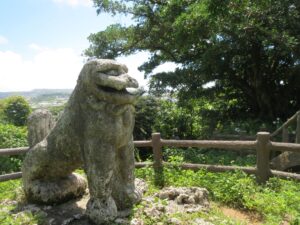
x=111, y=72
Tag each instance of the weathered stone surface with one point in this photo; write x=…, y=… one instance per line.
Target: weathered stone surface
x=172, y=201
x=48, y=191
x=285, y=161
x=140, y=185
x=40, y=123
x=175, y=221
x=200, y=221
x=136, y=221
x=95, y=130
x=186, y=196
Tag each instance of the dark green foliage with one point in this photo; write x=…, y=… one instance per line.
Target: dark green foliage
x=10, y=137
x=200, y=119
x=165, y=116
x=178, y=122
x=248, y=50
x=210, y=156
x=16, y=110
x=13, y=116
x=146, y=112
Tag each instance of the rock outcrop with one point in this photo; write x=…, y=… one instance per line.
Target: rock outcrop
x=286, y=161
x=94, y=131
x=39, y=124
x=171, y=201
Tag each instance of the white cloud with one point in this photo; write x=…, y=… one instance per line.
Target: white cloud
x=136, y=60
x=3, y=40
x=57, y=68
x=73, y=3
x=50, y=68
x=36, y=47
x=166, y=67
x=133, y=62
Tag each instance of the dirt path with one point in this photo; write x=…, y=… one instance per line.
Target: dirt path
x=246, y=217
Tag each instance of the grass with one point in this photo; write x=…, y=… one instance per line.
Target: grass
x=10, y=194
x=8, y=190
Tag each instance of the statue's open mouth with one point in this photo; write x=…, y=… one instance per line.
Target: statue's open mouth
x=112, y=83
x=126, y=91
x=120, y=85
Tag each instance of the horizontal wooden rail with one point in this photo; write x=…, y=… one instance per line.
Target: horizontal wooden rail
x=22, y=150
x=142, y=143
x=143, y=164
x=11, y=176
x=232, y=145
x=196, y=167
x=285, y=175
x=262, y=145
x=283, y=147
x=188, y=166
x=220, y=169
x=13, y=151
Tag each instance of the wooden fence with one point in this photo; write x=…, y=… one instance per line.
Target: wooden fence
x=262, y=145
x=284, y=129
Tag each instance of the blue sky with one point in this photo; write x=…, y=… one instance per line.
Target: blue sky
x=41, y=42
x=48, y=23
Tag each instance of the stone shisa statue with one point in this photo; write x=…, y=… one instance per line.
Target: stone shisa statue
x=94, y=131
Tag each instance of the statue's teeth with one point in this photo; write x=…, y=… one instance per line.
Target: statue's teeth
x=132, y=91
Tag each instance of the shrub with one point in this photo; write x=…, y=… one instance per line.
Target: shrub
x=16, y=110
x=10, y=137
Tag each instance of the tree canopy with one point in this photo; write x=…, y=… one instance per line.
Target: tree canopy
x=249, y=50
x=15, y=110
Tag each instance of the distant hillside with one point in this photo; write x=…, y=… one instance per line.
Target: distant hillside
x=37, y=92
x=42, y=98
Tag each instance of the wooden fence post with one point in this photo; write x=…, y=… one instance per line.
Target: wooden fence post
x=298, y=129
x=158, y=159
x=285, y=134
x=262, y=157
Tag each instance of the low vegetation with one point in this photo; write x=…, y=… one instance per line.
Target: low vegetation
x=11, y=136
x=276, y=201
x=211, y=156
x=14, y=112
x=10, y=199
x=273, y=203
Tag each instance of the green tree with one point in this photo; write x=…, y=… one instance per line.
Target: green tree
x=249, y=50
x=146, y=110
x=16, y=110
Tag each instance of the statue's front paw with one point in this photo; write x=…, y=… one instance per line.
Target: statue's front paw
x=101, y=211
